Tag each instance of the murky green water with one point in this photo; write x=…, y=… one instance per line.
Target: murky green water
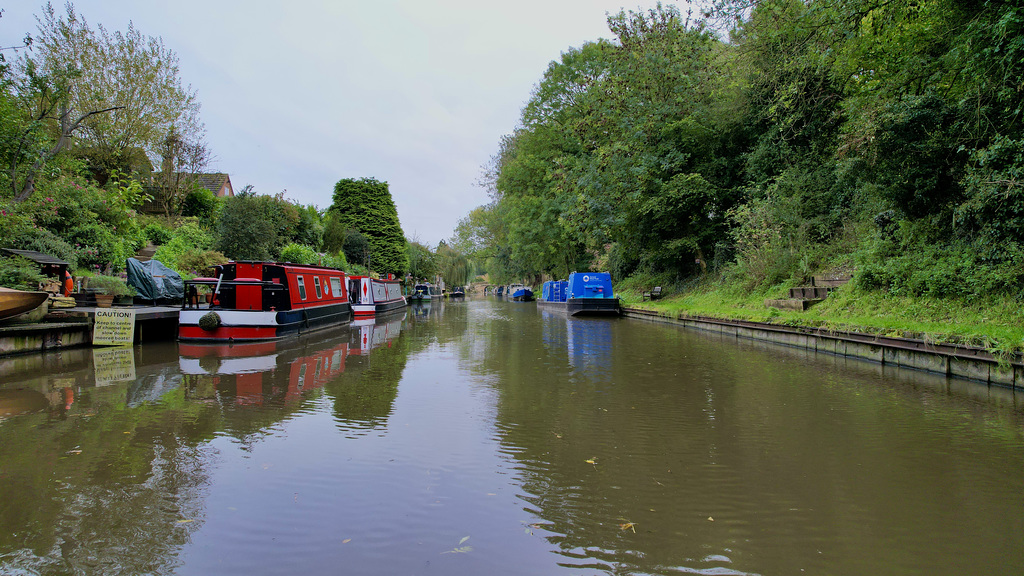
x=495, y=438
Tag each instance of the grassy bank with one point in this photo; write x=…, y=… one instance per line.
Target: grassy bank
x=996, y=324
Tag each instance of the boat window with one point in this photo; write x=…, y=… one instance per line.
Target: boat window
x=302, y=287
x=316, y=284
x=336, y=287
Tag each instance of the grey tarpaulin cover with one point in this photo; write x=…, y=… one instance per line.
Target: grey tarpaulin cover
x=154, y=281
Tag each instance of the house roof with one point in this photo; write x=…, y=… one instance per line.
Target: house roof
x=213, y=182
x=37, y=257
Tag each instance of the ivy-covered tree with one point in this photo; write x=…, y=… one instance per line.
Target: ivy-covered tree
x=365, y=205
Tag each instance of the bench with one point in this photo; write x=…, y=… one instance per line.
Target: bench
x=654, y=294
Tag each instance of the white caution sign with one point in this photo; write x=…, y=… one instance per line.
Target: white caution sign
x=113, y=327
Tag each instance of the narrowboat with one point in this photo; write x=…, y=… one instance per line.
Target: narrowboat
x=371, y=296
x=457, y=292
x=499, y=291
x=520, y=293
x=251, y=301
x=553, y=293
x=590, y=293
x=424, y=292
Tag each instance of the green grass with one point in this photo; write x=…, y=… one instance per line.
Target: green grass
x=996, y=324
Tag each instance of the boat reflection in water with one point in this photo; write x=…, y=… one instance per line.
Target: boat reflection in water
x=275, y=372
x=370, y=333
x=587, y=341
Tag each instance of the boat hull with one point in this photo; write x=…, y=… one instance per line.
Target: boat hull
x=255, y=325
x=593, y=307
x=15, y=302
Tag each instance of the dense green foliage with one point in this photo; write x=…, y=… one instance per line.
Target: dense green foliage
x=882, y=137
x=365, y=206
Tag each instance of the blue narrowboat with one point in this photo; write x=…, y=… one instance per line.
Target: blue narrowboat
x=520, y=293
x=554, y=293
x=590, y=293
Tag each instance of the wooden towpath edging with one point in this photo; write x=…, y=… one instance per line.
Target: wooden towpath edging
x=955, y=361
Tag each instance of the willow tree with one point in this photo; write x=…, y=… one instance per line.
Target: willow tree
x=365, y=205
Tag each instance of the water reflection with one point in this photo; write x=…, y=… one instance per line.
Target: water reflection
x=485, y=437
x=363, y=397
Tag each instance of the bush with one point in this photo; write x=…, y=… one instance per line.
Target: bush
x=302, y=254
x=158, y=234
x=202, y=204
x=187, y=246
x=20, y=274
x=299, y=254
x=199, y=263
x=110, y=285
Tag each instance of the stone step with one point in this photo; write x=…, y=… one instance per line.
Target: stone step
x=145, y=254
x=798, y=304
x=830, y=280
x=810, y=292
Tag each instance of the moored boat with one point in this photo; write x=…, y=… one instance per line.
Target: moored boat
x=590, y=293
x=15, y=302
x=520, y=293
x=371, y=296
x=264, y=301
x=457, y=292
x=553, y=293
x=424, y=292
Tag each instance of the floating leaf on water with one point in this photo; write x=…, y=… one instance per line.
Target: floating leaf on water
x=186, y=521
x=346, y=540
x=464, y=538
x=710, y=519
x=592, y=461
x=628, y=526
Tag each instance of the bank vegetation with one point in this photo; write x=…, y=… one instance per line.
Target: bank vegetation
x=731, y=154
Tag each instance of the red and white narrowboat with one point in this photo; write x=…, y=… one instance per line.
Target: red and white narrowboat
x=371, y=296
x=251, y=301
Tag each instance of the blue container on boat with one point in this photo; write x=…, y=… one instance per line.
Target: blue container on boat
x=590, y=285
x=554, y=291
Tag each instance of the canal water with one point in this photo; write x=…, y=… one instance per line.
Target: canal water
x=489, y=437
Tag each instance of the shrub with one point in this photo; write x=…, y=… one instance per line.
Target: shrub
x=302, y=254
x=20, y=274
x=158, y=234
x=202, y=204
x=110, y=285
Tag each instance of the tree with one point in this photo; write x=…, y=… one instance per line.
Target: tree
x=255, y=227
x=365, y=205
x=133, y=78
x=183, y=161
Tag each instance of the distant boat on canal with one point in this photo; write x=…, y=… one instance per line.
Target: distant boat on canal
x=583, y=294
x=251, y=301
x=372, y=296
x=457, y=292
x=424, y=292
x=520, y=293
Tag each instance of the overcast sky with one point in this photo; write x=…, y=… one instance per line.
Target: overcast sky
x=299, y=94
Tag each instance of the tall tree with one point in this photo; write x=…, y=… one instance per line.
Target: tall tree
x=365, y=205
x=132, y=76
